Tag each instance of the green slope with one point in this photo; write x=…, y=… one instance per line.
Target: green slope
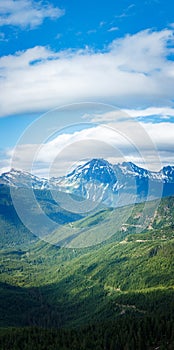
x=123, y=286
x=74, y=278
x=115, y=224
x=13, y=232
x=116, y=286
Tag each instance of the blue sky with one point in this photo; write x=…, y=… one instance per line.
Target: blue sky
x=54, y=53
x=83, y=23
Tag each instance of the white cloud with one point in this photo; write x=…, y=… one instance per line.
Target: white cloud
x=4, y=161
x=151, y=111
x=118, y=114
x=145, y=52
x=107, y=117
x=113, y=29
x=65, y=149
x=126, y=12
x=133, y=71
x=161, y=134
x=151, y=146
x=27, y=13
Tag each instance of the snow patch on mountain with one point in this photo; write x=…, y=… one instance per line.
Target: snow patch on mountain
x=99, y=180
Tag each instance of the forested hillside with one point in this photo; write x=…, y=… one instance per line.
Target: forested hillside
x=115, y=295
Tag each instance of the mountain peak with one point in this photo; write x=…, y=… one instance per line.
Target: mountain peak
x=20, y=178
x=98, y=176
x=96, y=169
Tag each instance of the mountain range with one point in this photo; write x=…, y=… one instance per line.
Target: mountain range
x=98, y=180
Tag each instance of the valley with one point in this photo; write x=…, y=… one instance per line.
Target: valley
x=99, y=280
x=126, y=279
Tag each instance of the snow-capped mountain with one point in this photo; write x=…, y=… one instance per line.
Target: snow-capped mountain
x=94, y=180
x=117, y=184
x=99, y=180
x=18, y=178
x=167, y=173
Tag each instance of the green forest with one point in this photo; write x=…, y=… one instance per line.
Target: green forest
x=117, y=294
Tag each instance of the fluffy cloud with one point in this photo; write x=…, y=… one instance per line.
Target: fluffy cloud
x=151, y=146
x=111, y=116
x=133, y=71
x=152, y=111
x=26, y=13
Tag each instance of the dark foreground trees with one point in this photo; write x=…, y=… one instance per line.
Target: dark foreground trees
x=126, y=333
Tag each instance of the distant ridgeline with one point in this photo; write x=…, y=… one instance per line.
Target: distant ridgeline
x=98, y=180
